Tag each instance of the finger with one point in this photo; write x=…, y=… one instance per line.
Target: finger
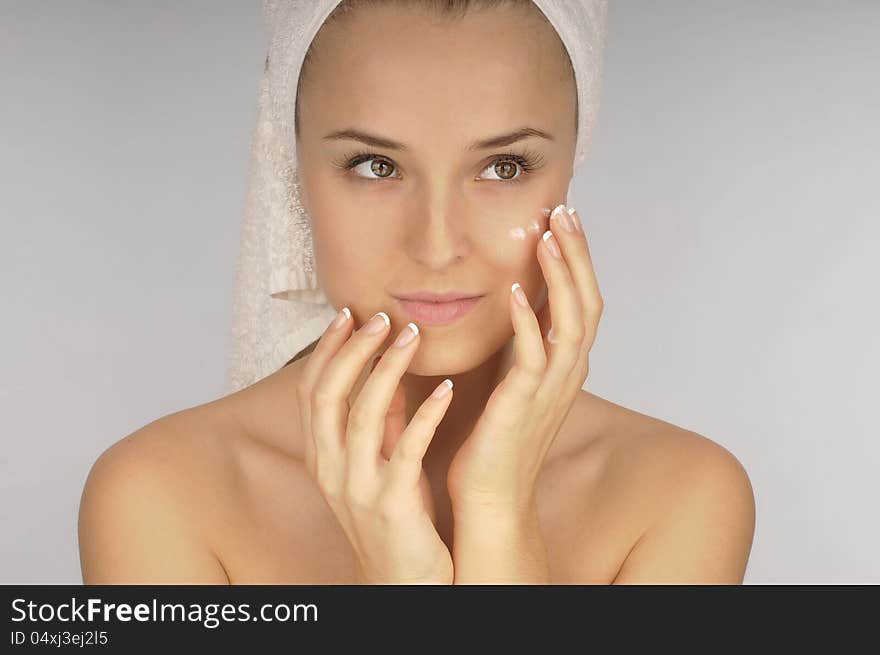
x=333, y=338
x=367, y=416
x=566, y=314
x=576, y=250
x=530, y=359
x=577, y=253
x=395, y=422
x=330, y=394
x=405, y=465
x=321, y=445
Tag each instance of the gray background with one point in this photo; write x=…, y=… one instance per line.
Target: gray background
x=730, y=201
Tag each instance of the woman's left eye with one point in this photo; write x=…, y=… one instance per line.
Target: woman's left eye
x=508, y=166
x=503, y=166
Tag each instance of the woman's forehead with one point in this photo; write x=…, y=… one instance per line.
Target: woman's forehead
x=456, y=69
x=384, y=50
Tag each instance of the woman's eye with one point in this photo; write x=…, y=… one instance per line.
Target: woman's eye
x=379, y=167
x=504, y=169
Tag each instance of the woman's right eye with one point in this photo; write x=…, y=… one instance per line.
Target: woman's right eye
x=364, y=165
x=379, y=167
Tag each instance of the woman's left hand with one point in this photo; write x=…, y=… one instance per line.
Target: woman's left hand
x=497, y=465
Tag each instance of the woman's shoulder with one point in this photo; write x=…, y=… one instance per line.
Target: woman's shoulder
x=677, y=485
x=145, y=509
x=183, y=450
x=635, y=446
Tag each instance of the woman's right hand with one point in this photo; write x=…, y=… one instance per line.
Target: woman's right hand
x=377, y=501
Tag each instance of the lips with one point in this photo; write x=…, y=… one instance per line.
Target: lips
x=425, y=296
x=438, y=313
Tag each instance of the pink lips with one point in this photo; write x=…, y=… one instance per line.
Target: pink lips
x=438, y=313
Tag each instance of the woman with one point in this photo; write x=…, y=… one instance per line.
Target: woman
x=344, y=467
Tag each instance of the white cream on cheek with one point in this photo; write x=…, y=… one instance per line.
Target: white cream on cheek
x=519, y=233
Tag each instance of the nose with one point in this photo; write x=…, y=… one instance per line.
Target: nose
x=437, y=235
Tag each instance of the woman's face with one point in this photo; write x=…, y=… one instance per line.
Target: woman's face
x=435, y=213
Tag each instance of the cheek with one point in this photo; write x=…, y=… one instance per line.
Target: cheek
x=512, y=246
x=513, y=232
x=349, y=264
x=530, y=227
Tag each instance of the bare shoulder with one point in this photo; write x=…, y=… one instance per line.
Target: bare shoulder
x=692, y=497
x=662, y=451
x=145, y=510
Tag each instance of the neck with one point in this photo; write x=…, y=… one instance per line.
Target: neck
x=471, y=391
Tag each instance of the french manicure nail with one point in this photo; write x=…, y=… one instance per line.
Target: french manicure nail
x=379, y=322
x=519, y=295
x=407, y=334
x=343, y=315
x=551, y=244
x=562, y=218
x=575, y=219
x=443, y=389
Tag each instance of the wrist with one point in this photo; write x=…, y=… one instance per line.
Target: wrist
x=440, y=579
x=508, y=510
x=440, y=572
x=500, y=546
x=493, y=522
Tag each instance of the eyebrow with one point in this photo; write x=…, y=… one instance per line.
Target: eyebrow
x=492, y=142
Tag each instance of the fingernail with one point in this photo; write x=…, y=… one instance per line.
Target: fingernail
x=343, y=315
x=443, y=389
x=575, y=219
x=551, y=244
x=407, y=334
x=562, y=218
x=378, y=323
x=519, y=294
x=551, y=337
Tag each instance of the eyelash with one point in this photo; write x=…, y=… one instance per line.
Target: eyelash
x=529, y=162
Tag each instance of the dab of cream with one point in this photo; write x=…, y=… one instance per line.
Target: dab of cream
x=520, y=233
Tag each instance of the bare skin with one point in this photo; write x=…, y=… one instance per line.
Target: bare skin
x=220, y=492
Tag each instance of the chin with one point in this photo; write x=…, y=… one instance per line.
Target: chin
x=440, y=364
x=440, y=358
